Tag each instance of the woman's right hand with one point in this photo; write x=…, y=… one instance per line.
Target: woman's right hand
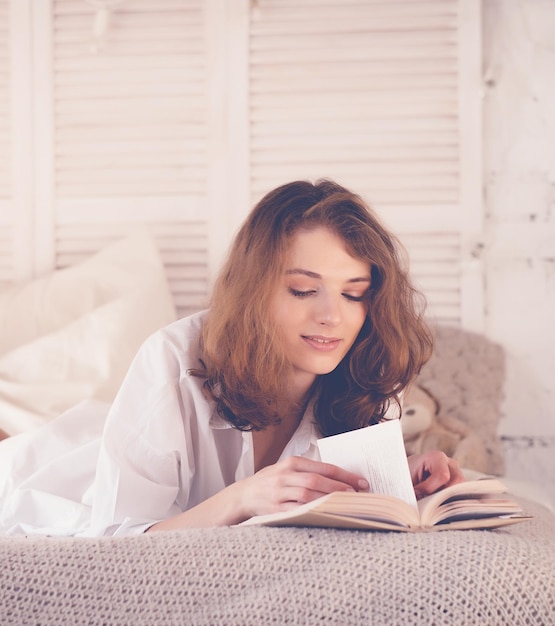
x=293, y=481
x=275, y=488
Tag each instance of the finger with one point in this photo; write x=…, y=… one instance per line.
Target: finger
x=330, y=471
x=311, y=487
x=338, y=479
x=457, y=475
x=434, y=474
x=442, y=473
x=302, y=495
x=322, y=485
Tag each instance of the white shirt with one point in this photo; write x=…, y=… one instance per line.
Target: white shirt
x=163, y=450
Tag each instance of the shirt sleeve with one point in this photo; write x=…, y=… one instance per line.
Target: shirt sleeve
x=145, y=464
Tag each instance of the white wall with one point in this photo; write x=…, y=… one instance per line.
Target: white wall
x=519, y=179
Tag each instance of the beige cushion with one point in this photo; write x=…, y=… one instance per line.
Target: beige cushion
x=466, y=375
x=71, y=335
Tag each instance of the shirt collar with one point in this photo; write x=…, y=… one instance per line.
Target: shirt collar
x=302, y=441
x=217, y=422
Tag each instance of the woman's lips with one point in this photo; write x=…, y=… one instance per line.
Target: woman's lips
x=320, y=343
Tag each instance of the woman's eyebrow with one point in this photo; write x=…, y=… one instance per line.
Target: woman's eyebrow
x=304, y=272
x=310, y=274
x=360, y=279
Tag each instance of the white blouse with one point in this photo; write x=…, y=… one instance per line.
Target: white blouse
x=159, y=450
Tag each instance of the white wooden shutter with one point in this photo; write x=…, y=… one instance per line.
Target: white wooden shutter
x=384, y=98
x=181, y=113
x=16, y=167
x=122, y=132
x=6, y=194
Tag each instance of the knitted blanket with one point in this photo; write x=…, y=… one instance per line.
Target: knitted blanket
x=255, y=575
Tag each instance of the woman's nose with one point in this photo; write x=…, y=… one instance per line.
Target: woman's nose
x=328, y=310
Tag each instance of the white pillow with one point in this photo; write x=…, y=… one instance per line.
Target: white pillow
x=35, y=308
x=79, y=330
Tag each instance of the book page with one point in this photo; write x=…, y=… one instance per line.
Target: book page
x=377, y=453
x=468, y=500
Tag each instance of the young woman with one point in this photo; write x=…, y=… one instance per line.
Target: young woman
x=313, y=330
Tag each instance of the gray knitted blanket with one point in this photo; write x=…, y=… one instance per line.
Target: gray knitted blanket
x=254, y=575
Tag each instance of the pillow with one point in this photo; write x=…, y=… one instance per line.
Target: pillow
x=48, y=303
x=466, y=375
x=80, y=328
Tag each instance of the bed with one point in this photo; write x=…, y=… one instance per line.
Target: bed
x=249, y=575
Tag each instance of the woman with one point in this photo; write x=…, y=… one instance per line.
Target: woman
x=312, y=331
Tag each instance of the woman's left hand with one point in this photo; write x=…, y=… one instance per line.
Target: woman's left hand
x=433, y=471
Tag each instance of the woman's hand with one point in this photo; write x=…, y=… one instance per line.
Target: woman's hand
x=297, y=480
x=278, y=487
x=433, y=471
x=293, y=481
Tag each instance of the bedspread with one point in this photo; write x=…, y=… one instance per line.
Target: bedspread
x=258, y=575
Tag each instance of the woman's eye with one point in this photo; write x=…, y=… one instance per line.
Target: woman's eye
x=301, y=294
x=353, y=298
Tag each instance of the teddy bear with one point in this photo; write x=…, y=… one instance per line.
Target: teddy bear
x=424, y=428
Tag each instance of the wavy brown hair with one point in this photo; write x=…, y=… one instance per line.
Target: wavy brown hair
x=243, y=362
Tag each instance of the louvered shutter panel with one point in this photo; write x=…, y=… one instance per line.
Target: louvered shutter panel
x=127, y=132
x=6, y=194
x=372, y=94
x=16, y=163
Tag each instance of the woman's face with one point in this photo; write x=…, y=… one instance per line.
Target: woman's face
x=319, y=305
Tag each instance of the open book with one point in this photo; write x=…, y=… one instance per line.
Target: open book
x=378, y=453
x=473, y=504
